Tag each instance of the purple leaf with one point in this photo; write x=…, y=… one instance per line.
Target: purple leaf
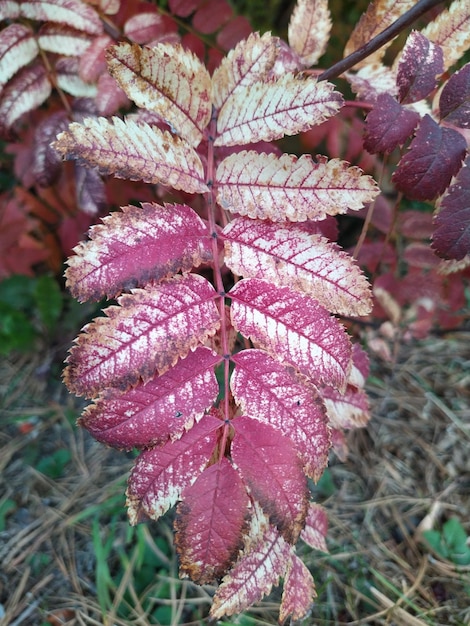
x=388, y=125
x=420, y=63
x=454, y=103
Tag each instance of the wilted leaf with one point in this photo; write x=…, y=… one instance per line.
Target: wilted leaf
x=421, y=62
x=210, y=523
x=71, y=12
x=450, y=30
x=309, y=29
x=388, y=125
x=269, y=110
x=145, y=334
x=163, y=408
x=167, y=80
x=17, y=48
x=134, y=151
x=270, y=393
x=288, y=256
x=161, y=474
x=435, y=155
x=266, y=186
x=299, y=591
x=454, y=101
x=140, y=244
x=294, y=328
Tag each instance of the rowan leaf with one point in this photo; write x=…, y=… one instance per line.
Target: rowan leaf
x=271, y=394
x=294, y=328
x=434, y=156
x=17, y=48
x=9, y=10
x=168, y=80
x=146, y=334
x=265, y=111
x=210, y=523
x=68, y=78
x=165, y=407
x=316, y=527
x=388, y=125
x=266, y=186
x=71, y=12
x=136, y=245
x=135, y=151
x=454, y=101
x=450, y=30
x=346, y=410
x=309, y=29
x=268, y=463
x=249, y=62
x=289, y=256
x=420, y=63
x=62, y=39
x=299, y=591
x=263, y=560
x=161, y=474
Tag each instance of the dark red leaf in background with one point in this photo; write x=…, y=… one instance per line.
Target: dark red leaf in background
x=454, y=103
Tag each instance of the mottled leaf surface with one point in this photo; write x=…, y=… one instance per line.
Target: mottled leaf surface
x=288, y=256
x=299, y=591
x=17, y=48
x=168, y=80
x=268, y=463
x=421, y=62
x=309, y=29
x=435, y=155
x=266, y=186
x=316, y=527
x=271, y=394
x=151, y=242
x=74, y=13
x=451, y=239
x=161, y=474
x=135, y=151
x=388, y=125
x=454, y=101
x=269, y=110
x=450, y=30
x=26, y=91
x=210, y=523
x=346, y=410
x=163, y=408
x=294, y=328
x=147, y=333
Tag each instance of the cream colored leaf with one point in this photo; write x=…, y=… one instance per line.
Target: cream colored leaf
x=167, y=80
x=249, y=62
x=309, y=29
x=451, y=30
x=371, y=80
x=379, y=15
x=267, y=111
x=266, y=186
x=135, y=151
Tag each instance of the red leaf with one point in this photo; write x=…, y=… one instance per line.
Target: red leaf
x=388, y=125
x=451, y=239
x=183, y=8
x=294, y=328
x=268, y=392
x=147, y=333
x=234, y=31
x=161, y=474
x=269, y=464
x=210, y=523
x=435, y=155
x=211, y=15
x=163, y=408
x=454, y=102
x=140, y=244
x=93, y=63
x=316, y=527
x=299, y=591
x=420, y=63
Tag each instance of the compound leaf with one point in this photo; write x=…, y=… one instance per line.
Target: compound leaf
x=266, y=186
x=150, y=329
x=140, y=244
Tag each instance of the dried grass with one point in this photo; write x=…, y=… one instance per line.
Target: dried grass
x=410, y=469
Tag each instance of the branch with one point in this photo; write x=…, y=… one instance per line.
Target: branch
x=379, y=40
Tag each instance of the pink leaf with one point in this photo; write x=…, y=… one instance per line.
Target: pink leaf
x=234, y=31
x=309, y=29
x=161, y=474
x=288, y=256
x=212, y=15
x=420, y=63
x=454, y=101
x=435, y=155
x=269, y=464
x=17, y=48
x=109, y=96
x=140, y=244
x=147, y=75
x=150, y=329
x=92, y=63
x=346, y=410
x=316, y=527
x=299, y=591
x=265, y=111
x=183, y=8
x=71, y=12
x=266, y=186
x=210, y=523
x=163, y=408
x=144, y=27
x=388, y=125
x=294, y=328
x=268, y=392
x=264, y=559
x=134, y=151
